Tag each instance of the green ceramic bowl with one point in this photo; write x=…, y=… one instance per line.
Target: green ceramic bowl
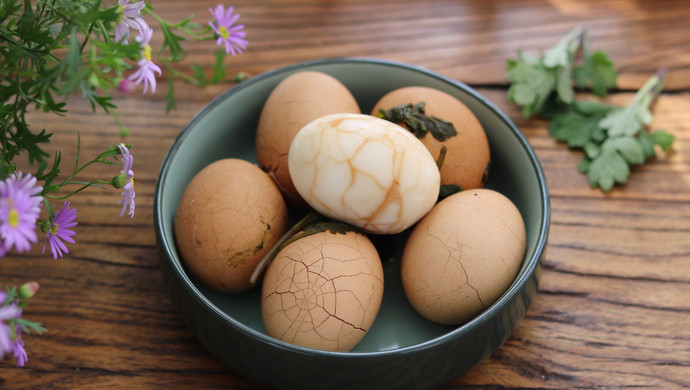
x=402, y=350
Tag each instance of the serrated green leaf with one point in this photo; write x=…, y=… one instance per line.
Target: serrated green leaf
x=583, y=165
x=561, y=54
x=531, y=83
x=218, y=68
x=578, y=125
x=592, y=149
x=608, y=168
x=199, y=74
x=649, y=141
x=622, y=122
x=629, y=148
x=601, y=73
x=663, y=139
x=172, y=41
x=171, y=102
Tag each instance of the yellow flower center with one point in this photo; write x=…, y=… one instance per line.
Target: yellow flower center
x=147, y=52
x=54, y=229
x=13, y=218
x=224, y=32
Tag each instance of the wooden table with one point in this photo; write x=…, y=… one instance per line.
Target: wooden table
x=613, y=306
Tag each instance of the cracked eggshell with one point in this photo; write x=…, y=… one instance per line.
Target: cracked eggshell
x=323, y=291
x=463, y=255
x=467, y=155
x=365, y=171
x=229, y=216
x=296, y=101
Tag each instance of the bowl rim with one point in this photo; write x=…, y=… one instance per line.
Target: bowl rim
x=532, y=263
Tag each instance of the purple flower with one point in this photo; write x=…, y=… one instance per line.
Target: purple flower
x=126, y=86
x=20, y=206
x=127, y=181
x=231, y=36
x=128, y=18
x=60, y=230
x=7, y=312
x=147, y=68
x=19, y=351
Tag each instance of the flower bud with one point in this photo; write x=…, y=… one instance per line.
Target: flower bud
x=240, y=77
x=126, y=86
x=119, y=181
x=27, y=290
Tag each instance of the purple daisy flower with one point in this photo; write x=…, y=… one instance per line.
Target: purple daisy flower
x=147, y=68
x=19, y=351
x=20, y=206
x=128, y=183
x=231, y=36
x=7, y=312
x=60, y=230
x=129, y=17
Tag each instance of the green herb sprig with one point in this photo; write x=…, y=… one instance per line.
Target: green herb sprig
x=612, y=138
x=415, y=119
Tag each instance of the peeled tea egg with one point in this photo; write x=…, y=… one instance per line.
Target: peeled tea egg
x=463, y=255
x=323, y=291
x=296, y=101
x=229, y=216
x=467, y=155
x=365, y=171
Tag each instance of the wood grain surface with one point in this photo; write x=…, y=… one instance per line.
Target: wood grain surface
x=613, y=306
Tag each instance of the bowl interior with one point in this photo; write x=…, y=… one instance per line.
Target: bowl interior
x=226, y=127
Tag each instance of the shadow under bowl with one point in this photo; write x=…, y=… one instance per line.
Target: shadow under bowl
x=402, y=350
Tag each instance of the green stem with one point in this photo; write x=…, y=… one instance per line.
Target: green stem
x=651, y=88
x=176, y=73
x=311, y=217
x=201, y=37
x=85, y=186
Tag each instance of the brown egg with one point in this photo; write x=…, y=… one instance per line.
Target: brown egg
x=323, y=291
x=296, y=101
x=229, y=216
x=463, y=255
x=467, y=155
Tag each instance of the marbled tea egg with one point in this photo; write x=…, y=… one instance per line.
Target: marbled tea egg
x=463, y=255
x=294, y=102
x=365, y=171
x=229, y=216
x=323, y=291
x=467, y=154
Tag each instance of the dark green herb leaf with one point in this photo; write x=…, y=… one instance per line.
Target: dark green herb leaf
x=414, y=118
x=448, y=190
x=629, y=148
x=171, y=102
x=199, y=74
x=334, y=227
x=531, y=83
x=598, y=72
x=172, y=40
x=218, y=68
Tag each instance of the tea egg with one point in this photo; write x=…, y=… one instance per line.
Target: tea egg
x=463, y=255
x=467, y=153
x=229, y=216
x=365, y=171
x=323, y=291
x=294, y=102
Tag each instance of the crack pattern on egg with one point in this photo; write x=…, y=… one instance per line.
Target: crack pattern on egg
x=323, y=291
x=365, y=171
